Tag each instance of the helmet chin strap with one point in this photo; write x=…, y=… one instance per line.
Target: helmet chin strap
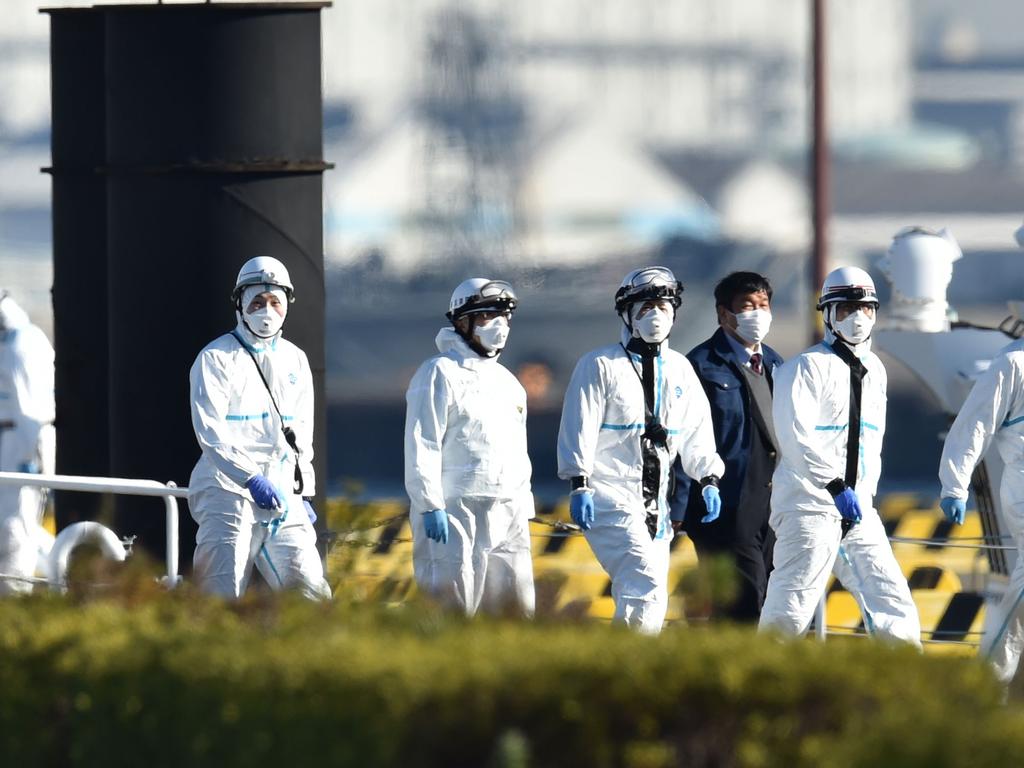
x=470, y=338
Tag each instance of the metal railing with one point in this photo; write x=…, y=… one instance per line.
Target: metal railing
x=169, y=492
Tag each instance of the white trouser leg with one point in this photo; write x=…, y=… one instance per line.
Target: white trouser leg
x=18, y=551
x=806, y=545
x=508, y=567
x=21, y=512
x=867, y=568
x=487, y=554
x=287, y=556
x=1003, y=638
x=637, y=565
x=223, y=557
x=445, y=571
x=231, y=539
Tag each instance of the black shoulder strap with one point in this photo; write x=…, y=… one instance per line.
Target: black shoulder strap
x=857, y=372
x=649, y=416
x=289, y=433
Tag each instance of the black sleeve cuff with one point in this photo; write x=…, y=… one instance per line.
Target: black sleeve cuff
x=308, y=498
x=709, y=480
x=836, y=487
x=575, y=483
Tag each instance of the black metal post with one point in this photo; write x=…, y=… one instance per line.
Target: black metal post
x=213, y=154
x=819, y=158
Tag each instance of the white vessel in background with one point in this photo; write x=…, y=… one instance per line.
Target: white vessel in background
x=947, y=355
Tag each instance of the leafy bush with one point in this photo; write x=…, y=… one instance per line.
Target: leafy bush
x=179, y=680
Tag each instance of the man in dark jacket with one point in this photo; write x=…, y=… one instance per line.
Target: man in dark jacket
x=735, y=368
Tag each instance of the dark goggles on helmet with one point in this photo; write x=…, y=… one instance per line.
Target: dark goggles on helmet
x=495, y=296
x=855, y=293
x=650, y=285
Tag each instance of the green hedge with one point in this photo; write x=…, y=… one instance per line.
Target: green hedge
x=183, y=681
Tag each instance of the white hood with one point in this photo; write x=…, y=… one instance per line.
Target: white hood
x=449, y=342
x=12, y=316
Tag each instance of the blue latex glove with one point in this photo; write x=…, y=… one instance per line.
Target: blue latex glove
x=29, y=468
x=954, y=509
x=310, y=512
x=713, y=502
x=436, y=523
x=581, y=509
x=264, y=493
x=848, y=506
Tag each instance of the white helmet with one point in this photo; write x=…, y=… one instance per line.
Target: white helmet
x=478, y=294
x=646, y=284
x=848, y=284
x=263, y=270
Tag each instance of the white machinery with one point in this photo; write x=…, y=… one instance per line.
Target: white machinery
x=946, y=356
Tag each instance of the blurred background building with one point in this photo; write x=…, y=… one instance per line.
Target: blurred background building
x=559, y=144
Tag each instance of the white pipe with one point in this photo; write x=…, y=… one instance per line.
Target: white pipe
x=94, y=484
x=169, y=492
x=171, y=517
x=76, y=534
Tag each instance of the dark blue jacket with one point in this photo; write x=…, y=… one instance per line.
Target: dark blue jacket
x=718, y=369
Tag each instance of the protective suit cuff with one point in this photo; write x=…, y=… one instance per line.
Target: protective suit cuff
x=578, y=482
x=709, y=480
x=835, y=487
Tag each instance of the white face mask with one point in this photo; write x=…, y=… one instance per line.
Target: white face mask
x=493, y=334
x=654, y=327
x=752, y=326
x=855, y=328
x=264, y=322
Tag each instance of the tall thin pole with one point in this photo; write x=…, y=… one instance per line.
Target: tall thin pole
x=819, y=158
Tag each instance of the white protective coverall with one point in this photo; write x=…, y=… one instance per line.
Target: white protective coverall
x=603, y=417
x=27, y=442
x=811, y=412
x=241, y=435
x=465, y=452
x=994, y=411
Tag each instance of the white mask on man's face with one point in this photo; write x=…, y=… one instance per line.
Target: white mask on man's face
x=855, y=328
x=752, y=326
x=265, y=322
x=654, y=326
x=493, y=334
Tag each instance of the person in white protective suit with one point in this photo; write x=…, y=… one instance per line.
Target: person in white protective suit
x=829, y=411
x=252, y=411
x=993, y=412
x=629, y=410
x=27, y=440
x=467, y=471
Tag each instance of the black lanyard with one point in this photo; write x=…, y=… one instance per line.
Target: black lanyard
x=654, y=436
x=857, y=373
x=289, y=433
x=654, y=430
